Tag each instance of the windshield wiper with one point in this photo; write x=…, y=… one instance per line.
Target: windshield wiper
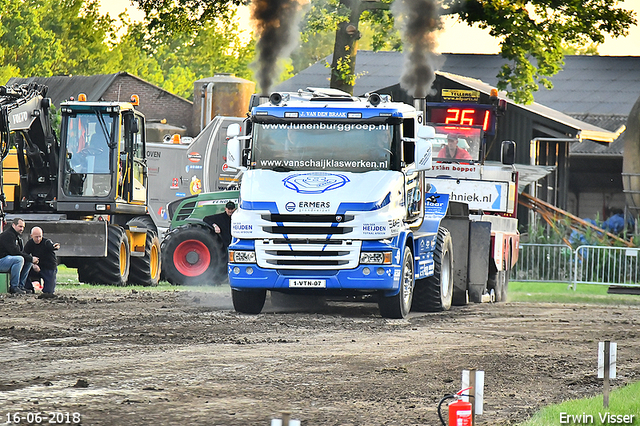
x=282, y=169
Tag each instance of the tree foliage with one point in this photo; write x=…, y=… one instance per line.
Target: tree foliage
x=533, y=33
x=70, y=37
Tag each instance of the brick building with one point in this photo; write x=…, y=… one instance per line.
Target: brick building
x=155, y=103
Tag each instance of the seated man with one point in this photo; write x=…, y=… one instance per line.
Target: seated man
x=453, y=151
x=13, y=259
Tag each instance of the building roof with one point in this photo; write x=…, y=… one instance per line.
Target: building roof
x=592, y=93
x=94, y=86
x=595, y=85
x=64, y=86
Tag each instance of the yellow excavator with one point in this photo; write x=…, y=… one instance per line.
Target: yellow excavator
x=87, y=190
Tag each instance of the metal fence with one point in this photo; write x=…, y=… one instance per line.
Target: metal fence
x=543, y=262
x=606, y=265
x=586, y=264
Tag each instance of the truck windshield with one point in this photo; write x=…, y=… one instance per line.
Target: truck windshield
x=322, y=146
x=87, y=153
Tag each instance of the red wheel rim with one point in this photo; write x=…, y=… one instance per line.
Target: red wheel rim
x=197, y=252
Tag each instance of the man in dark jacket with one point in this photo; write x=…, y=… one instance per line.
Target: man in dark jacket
x=47, y=267
x=221, y=222
x=13, y=259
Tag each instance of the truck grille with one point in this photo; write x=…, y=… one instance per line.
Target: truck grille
x=311, y=255
x=303, y=224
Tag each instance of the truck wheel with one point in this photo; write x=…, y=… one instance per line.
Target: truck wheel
x=435, y=293
x=191, y=255
x=113, y=269
x=499, y=283
x=398, y=306
x=146, y=270
x=249, y=301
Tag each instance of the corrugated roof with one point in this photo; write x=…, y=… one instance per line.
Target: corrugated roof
x=607, y=85
x=64, y=86
x=94, y=86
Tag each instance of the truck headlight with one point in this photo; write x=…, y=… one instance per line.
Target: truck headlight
x=236, y=256
x=376, y=257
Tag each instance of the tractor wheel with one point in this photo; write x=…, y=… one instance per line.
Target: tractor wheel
x=398, y=306
x=113, y=269
x=192, y=255
x=435, y=293
x=249, y=301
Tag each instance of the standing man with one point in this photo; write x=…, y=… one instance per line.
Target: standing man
x=13, y=259
x=47, y=267
x=221, y=222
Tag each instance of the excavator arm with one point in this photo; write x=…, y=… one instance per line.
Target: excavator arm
x=25, y=124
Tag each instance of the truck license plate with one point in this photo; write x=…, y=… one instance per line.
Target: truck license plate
x=308, y=283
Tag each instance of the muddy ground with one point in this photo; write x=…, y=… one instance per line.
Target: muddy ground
x=186, y=358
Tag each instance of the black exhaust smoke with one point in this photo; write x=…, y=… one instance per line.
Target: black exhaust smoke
x=419, y=20
x=276, y=24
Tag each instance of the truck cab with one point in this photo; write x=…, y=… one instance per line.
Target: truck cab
x=332, y=202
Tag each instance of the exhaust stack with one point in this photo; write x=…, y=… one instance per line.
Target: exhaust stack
x=420, y=104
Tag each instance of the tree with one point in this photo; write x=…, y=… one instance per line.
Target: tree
x=531, y=32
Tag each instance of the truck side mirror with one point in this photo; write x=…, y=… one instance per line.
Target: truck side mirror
x=426, y=132
x=234, y=152
x=508, y=154
x=423, y=154
x=233, y=130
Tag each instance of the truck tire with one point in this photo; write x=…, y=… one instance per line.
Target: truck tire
x=192, y=255
x=249, y=301
x=435, y=293
x=499, y=283
x=398, y=306
x=146, y=270
x=113, y=269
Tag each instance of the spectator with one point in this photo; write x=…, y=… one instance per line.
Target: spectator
x=221, y=222
x=13, y=259
x=47, y=268
x=453, y=151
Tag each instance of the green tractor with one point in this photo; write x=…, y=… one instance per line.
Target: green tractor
x=192, y=253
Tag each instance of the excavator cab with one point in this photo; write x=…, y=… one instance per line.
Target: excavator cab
x=104, y=168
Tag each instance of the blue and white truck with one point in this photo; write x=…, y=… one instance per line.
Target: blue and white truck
x=334, y=201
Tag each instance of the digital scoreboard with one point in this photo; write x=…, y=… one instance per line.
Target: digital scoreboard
x=463, y=115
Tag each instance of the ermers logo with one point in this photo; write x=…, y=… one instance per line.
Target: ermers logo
x=290, y=206
x=315, y=182
x=314, y=204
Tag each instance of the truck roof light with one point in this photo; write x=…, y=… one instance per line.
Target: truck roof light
x=175, y=139
x=135, y=100
x=354, y=115
x=82, y=97
x=291, y=114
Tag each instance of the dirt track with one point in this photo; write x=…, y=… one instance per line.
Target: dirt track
x=180, y=358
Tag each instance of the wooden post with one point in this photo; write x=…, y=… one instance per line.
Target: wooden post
x=472, y=394
x=286, y=416
x=607, y=366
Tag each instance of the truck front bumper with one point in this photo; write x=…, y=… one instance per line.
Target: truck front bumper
x=363, y=278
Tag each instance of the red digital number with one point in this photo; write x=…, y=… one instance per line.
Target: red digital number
x=452, y=119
